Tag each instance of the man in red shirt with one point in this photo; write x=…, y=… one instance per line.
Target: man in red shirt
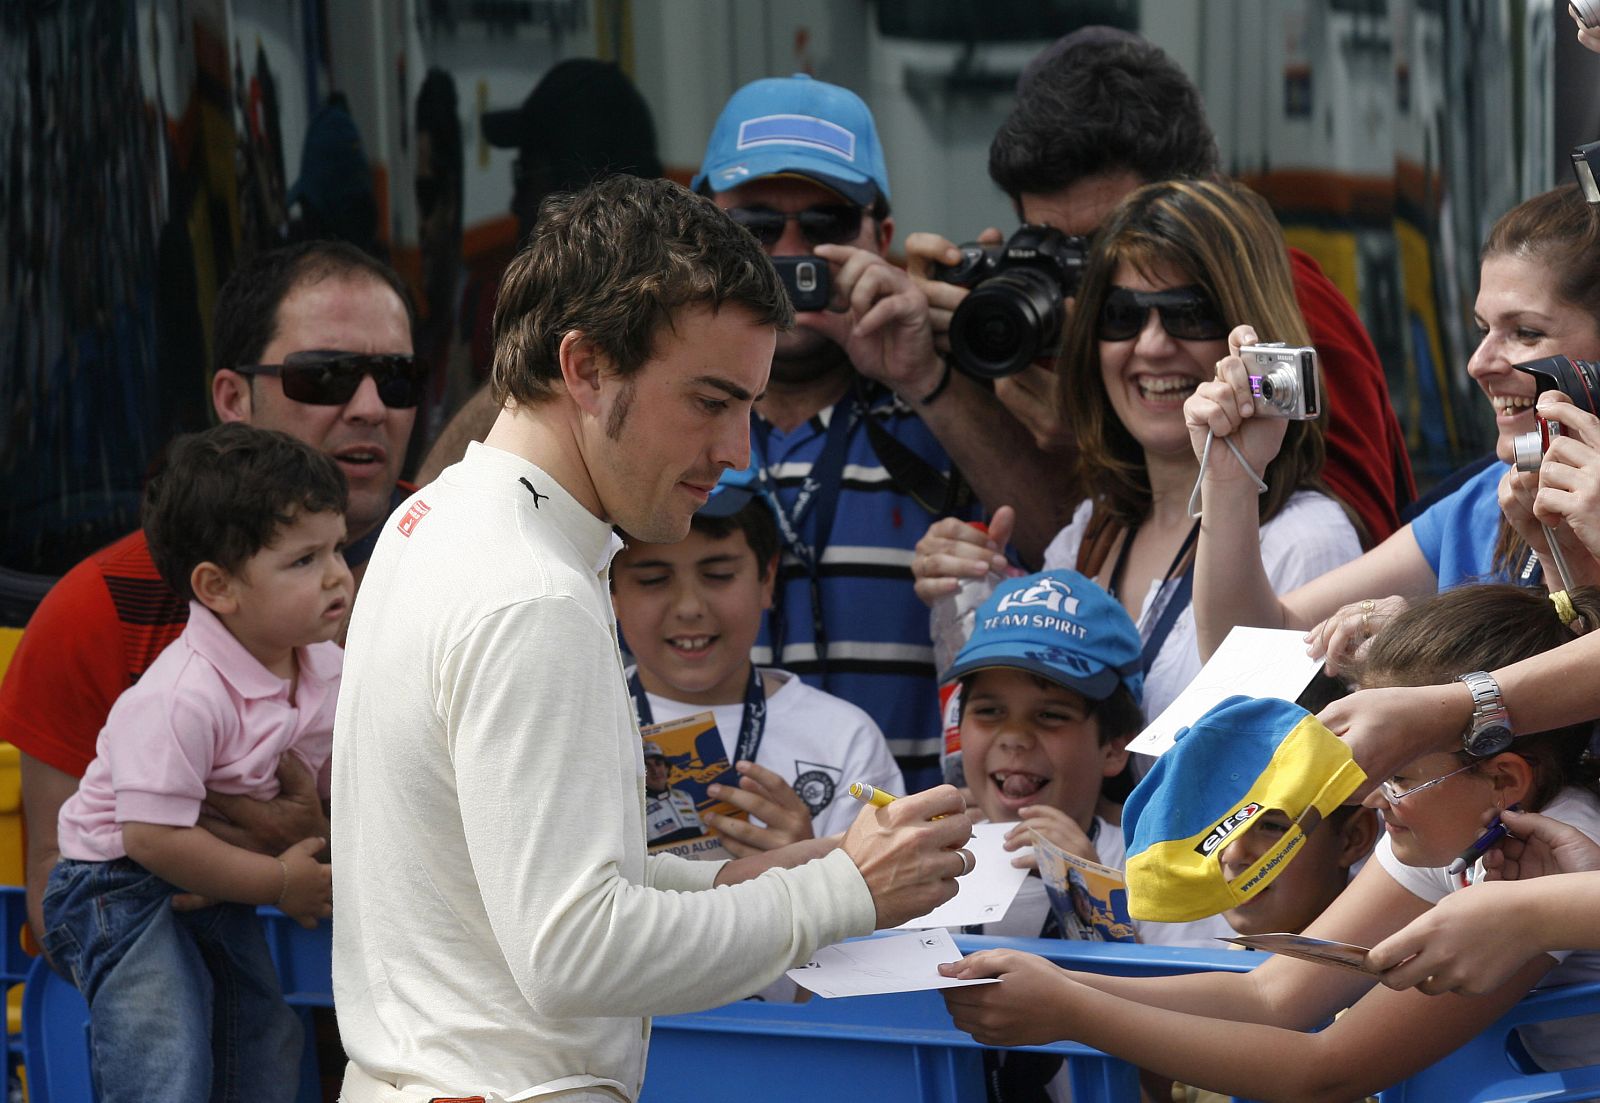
x=313, y=340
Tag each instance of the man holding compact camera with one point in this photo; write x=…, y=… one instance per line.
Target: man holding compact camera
x=861, y=421
x=1101, y=113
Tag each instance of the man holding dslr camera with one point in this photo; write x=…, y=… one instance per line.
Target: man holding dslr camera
x=1099, y=114
x=862, y=419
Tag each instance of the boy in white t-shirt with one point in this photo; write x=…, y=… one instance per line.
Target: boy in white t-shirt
x=249, y=524
x=689, y=613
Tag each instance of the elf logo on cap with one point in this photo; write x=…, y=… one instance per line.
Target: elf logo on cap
x=1047, y=593
x=1225, y=827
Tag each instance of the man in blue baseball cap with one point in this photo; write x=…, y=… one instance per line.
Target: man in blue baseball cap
x=859, y=435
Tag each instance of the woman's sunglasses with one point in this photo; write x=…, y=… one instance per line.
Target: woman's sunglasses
x=825, y=224
x=1187, y=313
x=328, y=378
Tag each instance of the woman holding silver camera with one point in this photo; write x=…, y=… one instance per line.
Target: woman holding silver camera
x=1176, y=265
x=1539, y=295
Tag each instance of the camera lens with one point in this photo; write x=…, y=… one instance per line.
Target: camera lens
x=1579, y=380
x=1529, y=450
x=1006, y=323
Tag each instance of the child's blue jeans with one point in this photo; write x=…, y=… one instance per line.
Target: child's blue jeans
x=183, y=1006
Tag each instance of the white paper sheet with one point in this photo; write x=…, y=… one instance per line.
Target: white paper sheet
x=873, y=966
x=1255, y=662
x=983, y=895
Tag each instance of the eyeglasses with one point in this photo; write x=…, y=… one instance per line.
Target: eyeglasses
x=825, y=224
x=1394, y=794
x=1187, y=313
x=325, y=377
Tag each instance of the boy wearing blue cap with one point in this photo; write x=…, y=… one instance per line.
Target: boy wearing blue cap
x=1050, y=695
x=690, y=612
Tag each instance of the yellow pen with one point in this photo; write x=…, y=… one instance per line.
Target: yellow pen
x=870, y=794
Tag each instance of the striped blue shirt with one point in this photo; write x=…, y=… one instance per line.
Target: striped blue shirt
x=879, y=652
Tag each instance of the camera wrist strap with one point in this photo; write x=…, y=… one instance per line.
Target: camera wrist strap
x=1205, y=458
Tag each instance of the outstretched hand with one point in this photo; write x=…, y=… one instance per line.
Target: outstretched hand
x=1029, y=1007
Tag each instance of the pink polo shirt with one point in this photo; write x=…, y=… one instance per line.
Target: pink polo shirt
x=206, y=714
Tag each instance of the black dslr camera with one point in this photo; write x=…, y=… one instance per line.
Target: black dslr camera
x=1014, y=313
x=1579, y=380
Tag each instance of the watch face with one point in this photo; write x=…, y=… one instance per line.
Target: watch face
x=1488, y=740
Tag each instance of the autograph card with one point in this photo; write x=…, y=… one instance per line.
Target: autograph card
x=1255, y=662
x=1320, y=951
x=873, y=966
x=985, y=894
x=681, y=758
x=1090, y=900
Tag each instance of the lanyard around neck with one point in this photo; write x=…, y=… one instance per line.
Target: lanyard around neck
x=1177, y=602
x=752, y=724
x=817, y=502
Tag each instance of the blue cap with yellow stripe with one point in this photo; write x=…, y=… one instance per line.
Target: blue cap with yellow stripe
x=1244, y=757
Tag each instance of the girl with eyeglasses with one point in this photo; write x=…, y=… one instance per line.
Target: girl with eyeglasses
x=1251, y=1034
x=1177, y=265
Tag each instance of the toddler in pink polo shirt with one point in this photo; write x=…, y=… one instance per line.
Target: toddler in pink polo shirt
x=249, y=525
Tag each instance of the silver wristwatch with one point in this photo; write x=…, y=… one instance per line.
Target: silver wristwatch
x=1490, y=731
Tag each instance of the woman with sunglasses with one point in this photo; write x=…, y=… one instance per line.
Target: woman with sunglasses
x=1177, y=264
x=1539, y=295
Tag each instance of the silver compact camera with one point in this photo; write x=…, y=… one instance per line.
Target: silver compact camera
x=1588, y=12
x=1531, y=447
x=1287, y=380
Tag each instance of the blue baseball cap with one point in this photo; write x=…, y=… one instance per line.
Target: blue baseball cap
x=796, y=126
x=1060, y=626
x=1244, y=757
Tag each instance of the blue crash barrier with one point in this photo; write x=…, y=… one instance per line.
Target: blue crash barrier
x=900, y=1047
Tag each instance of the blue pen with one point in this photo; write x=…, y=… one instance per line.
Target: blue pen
x=1491, y=835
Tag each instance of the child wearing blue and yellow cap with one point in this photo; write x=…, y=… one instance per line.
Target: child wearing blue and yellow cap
x=1261, y=1034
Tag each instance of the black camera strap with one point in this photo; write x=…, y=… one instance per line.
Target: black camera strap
x=1177, y=601
x=818, y=499
x=818, y=502
x=939, y=494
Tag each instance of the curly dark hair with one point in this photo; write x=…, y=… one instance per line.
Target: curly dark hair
x=1099, y=107
x=223, y=494
x=617, y=261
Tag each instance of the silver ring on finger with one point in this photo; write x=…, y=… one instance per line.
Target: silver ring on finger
x=968, y=862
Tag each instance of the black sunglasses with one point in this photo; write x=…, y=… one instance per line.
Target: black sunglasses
x=824, y=224
x=323, y=377
x=1187, y=313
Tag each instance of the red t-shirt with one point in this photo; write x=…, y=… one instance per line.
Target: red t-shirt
x=94, y=633
x=1367, y=466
